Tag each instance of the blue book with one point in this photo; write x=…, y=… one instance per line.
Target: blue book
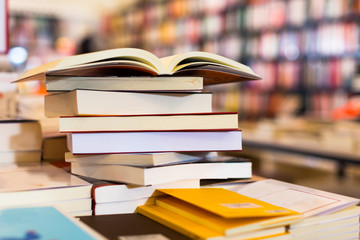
x=35, y=223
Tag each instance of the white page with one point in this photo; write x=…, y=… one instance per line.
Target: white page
x=307, y=201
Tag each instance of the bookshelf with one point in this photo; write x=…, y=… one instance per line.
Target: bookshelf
x=307, y=51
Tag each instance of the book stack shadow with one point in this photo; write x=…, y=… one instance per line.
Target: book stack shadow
x=139, y=131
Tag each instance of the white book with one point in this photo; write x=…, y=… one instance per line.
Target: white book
x=142, y=142
x=118, y=192
x=39, y=184
x=122, y=207
x=163, y=174
x=90, y=102
x=139, y=159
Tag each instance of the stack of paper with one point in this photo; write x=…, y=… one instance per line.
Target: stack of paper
x=326, y=215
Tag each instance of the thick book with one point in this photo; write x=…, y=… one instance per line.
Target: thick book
x=55, y=83
x=38, y=184
x=231, y=168
x=130, y=225
x=213, y=68
x=216, y=213
x=165, y=122
x=145, y=142
x=139, y=159
x=43, y=222
x=91, y=102
x=20, y=135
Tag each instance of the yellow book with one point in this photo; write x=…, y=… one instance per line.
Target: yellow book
x=180, y=224
x=226, y=226
x=137, y=62
x=198, y=231
x=228, y=204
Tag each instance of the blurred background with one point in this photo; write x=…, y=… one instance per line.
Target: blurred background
x=300, y=123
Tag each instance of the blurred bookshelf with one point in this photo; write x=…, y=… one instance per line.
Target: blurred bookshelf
x=307, y=51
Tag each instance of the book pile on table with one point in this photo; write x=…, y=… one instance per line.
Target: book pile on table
x=20, y=141
x=128, y=122
x=326, y=215
x=44, y=184
x=216, y=213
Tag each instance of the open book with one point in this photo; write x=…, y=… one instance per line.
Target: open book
x=122, y=62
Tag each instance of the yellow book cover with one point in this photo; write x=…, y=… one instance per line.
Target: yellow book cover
x=178, y=223
x=227, y=226
x=198, y=231
x=228, y=204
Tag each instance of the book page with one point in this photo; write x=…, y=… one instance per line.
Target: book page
x=172, y=63
x=130, y=54
x=307, y=201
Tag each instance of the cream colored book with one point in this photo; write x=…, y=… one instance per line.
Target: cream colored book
x=91, y=102
x=166, y=122
x=163, y=174
x=138, y=62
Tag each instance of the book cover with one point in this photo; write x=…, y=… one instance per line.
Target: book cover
x=226, y=226
x=43, y=222
x=195, y=230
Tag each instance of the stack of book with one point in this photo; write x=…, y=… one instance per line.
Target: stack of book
x=325, y=215
x=217, y=213
x=20, y=141
x=44, y=184
x=131, y=117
